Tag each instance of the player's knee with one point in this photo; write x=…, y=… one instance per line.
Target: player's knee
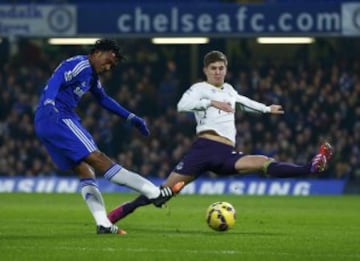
x=266, y=164
x=98, y=156
x=269, y=159
x=99, y=160
x=84, y=171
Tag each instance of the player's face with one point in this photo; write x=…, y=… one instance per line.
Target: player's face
x=104, y=61
x=215, y=73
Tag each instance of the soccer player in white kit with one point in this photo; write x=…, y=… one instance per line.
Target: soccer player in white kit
x=214, y=102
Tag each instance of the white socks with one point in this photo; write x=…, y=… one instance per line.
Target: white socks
x=95, y=202
x=118, y=175
x=121, y=176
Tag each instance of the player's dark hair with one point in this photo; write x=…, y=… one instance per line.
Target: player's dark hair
x=108, y=45
x=214, y=56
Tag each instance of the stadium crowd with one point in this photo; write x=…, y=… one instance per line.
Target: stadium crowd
x=321, y=101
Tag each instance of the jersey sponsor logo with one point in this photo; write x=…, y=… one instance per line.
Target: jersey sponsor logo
x=79, y=92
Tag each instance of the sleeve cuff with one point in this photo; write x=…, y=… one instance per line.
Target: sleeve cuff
x=267, y=109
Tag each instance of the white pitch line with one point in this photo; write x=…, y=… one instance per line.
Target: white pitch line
x=187, y=251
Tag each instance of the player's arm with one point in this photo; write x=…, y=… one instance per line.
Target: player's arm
x=50, y=92
x=53, y=85
x=249, y=105
x=111, y=105
x=193, y=100
x=224, y=106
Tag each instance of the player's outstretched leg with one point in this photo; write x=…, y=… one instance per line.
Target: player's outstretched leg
x=167, y=193
x=320, y=161
x=317, y=165
x=127, y=208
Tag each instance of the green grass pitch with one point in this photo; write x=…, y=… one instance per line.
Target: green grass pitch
x=59, y=227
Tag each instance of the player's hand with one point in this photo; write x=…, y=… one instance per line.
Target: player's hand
x=139, y=123
x=276, y=109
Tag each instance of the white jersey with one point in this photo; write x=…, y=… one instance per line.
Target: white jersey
x=197, y=99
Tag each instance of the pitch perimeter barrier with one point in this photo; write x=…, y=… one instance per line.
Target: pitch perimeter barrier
x=205, y=186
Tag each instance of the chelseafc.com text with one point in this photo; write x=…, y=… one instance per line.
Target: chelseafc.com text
x=240, y=20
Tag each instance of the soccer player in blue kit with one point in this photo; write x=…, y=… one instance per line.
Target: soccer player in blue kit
x=213, y=102
x=72, y=147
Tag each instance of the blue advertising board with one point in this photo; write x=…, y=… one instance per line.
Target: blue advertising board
x=168, y=19
x=237, y=186
x=215, y=19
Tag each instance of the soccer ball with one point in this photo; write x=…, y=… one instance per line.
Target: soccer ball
x=221, y=216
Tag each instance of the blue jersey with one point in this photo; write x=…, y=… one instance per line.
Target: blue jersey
x=69, y=82
x=56, y=123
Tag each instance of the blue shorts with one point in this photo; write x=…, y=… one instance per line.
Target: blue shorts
x=208, y=155
x=66, y=140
